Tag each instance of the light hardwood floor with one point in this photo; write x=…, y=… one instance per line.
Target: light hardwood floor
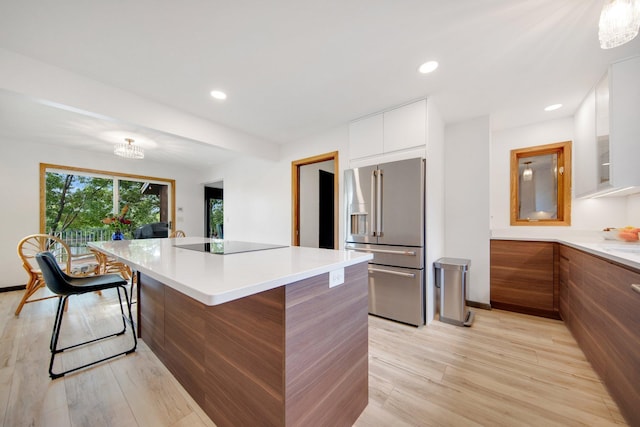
x=506, y=370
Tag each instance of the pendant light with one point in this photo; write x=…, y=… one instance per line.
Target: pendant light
x=619, y=22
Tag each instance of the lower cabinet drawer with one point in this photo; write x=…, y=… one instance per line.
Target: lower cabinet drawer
x=397, y=293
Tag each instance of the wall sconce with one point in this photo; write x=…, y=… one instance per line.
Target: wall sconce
x=527, y=173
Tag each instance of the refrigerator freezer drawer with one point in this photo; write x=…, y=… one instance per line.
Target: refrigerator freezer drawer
x=397, y=294
x=400, y=256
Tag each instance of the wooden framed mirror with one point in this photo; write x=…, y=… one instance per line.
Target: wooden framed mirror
x=541, y=185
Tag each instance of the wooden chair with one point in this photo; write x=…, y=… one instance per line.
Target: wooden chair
x=65, y=286
x=107, y=265
x=31, y=245
x=177, y=233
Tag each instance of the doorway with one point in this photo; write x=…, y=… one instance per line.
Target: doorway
x=214, y=210
x=315, y=201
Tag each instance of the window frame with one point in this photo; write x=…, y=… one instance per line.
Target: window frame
x=563, y=149
x=48, y=167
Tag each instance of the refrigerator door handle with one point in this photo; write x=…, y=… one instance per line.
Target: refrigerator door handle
x=381, y=251
x=395, y=273
x=379, y=203
x=374, y=203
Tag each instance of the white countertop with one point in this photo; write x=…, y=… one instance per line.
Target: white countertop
x=592, y=242
x=215, y=279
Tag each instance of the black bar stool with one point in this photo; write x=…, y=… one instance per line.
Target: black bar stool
x=64, y=286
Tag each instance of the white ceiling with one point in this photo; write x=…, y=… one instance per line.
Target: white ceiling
x=293, y=68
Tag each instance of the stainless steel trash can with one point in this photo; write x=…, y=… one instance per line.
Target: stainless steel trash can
x=452, y=277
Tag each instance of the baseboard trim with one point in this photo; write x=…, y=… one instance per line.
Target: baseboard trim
x=481, y=305
x=526, y=310
x=13, y=288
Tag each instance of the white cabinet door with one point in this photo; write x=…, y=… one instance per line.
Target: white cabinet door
x=584, y=147
x=607, y=134
x=624, y=122
x=405, y=127
x=603, y=145
x=365, y=137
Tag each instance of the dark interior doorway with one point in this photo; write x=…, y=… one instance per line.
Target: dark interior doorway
x=325, y=211
x=305, y=214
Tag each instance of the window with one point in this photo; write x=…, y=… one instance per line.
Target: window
x=541, y=185
x=75, y=203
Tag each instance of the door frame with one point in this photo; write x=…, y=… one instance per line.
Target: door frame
x=295, y=195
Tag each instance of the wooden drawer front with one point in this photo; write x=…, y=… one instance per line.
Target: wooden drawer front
x=522, y=276
x=605, y=320
x=623, y=373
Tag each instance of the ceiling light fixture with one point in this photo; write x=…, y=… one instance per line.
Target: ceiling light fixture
x=619, y=22
x=428, y=67
x=128, y=150
x=552, y=107
x=218, y=94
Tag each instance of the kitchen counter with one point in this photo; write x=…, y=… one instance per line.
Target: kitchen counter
x=265, y=337
x=215, y=279
x=624, y=253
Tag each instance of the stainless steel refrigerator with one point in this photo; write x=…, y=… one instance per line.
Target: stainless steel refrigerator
x=385, y=216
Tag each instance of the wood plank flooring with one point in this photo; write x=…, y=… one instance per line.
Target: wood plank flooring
x=507, y=370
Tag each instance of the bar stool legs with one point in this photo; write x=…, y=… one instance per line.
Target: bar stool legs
x=55, y=335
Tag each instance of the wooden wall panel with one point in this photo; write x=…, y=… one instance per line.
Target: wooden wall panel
x=327, y=350
x=523, y=277
x=151, y=313
x=245, y=361
x=184, y=341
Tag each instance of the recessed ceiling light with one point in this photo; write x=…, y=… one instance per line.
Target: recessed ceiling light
x=552, y=107
x=218, y=94
x=428, y=67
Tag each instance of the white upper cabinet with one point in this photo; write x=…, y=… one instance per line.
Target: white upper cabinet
x=585, y=179
x=607, y=134
x=391, y=131
x=624, y=123
x=405, y=127
x=365, y=137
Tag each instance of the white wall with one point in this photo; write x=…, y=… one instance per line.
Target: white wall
x=633, y=210
x=20, y=193
x=587, y=215
x=467, y=190
x=435, y=205
x=309, y=202
x=257, y=193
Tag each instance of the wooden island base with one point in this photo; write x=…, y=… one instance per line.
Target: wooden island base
x=296, y=355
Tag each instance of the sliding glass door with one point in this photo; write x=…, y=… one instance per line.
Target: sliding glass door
x=81, y=205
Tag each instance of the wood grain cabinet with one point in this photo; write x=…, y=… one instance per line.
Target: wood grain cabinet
x=563, y=282
x=523, y=277
x=593, y=296
x=296, y=355
x=603, y=313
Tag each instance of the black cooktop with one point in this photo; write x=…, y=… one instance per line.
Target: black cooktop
x=226, y=247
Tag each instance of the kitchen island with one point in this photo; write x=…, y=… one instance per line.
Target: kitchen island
x=265, y=337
